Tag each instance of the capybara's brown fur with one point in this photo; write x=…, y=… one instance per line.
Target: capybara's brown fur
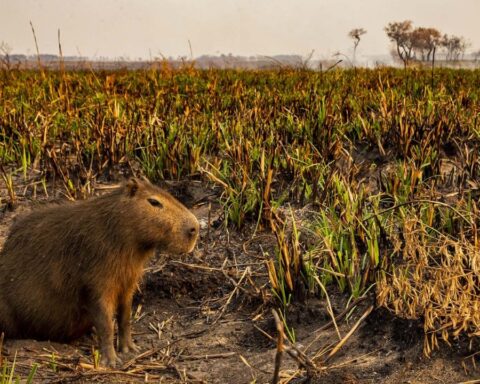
x=68, y=267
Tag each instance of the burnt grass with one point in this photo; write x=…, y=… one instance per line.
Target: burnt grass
x=196, y=319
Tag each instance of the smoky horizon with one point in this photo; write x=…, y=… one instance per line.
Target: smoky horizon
x=187, y=28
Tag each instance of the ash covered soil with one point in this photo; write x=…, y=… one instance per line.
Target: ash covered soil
x=199, y=318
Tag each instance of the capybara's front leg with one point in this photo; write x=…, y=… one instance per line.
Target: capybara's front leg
x=7, y=320
x=102, y=316
x=126, y=343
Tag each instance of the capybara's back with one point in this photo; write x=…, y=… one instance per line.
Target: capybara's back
x=66, y=267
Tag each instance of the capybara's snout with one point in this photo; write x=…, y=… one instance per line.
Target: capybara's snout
x=184, y=233
x=192, y=229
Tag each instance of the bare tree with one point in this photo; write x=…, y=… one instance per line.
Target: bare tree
x=455, y=46
x=356, y=35
x=401, y=34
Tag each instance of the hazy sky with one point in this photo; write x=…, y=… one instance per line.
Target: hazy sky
x=138, y=28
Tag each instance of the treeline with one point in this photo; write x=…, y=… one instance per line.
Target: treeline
x=422, y=43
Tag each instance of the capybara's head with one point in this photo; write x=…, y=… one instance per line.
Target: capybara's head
x=158, y=219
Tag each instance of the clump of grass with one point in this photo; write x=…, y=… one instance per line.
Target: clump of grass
x=285, y=272
x=8, y=375
x=350, y=242
x=434, y=273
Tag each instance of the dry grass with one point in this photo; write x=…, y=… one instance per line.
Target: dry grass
x=366, y=179
x=436, y=278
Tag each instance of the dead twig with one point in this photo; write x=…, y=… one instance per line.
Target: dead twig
x=329, y=306
x=350, y=333
x=209, y=224
x=230, y=297
x=148, y=353
x=152, y=351
x=303, y=360
x=207, y=357
x=278, y=355
x=194, y=266
x=187, y=375
x=92, y=374
x=337, y=319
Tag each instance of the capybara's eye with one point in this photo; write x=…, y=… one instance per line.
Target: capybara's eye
x=155, y=203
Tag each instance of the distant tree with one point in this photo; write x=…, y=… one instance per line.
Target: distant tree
x=401, y=34
x=356, y=34
x=455, y=46
x=476, y=55
x=425, y=42
x=5, y=51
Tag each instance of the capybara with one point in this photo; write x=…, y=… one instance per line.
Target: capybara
x=67, y=267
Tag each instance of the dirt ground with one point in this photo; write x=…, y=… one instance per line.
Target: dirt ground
x=198, y=318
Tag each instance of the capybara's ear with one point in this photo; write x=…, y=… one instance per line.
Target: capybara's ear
x=132, y=186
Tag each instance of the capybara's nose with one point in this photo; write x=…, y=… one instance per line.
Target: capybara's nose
x=192, y=231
